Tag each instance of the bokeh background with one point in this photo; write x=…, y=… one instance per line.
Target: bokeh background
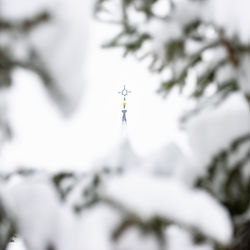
x=73, y=176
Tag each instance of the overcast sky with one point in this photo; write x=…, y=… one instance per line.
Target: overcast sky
x=44, y=138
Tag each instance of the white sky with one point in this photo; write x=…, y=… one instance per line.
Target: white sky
x=44, y=138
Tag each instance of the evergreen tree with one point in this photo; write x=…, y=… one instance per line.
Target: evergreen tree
x=14, y=31
x=176, y=37
x=177, y=43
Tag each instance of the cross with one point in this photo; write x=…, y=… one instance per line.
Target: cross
x=124, y=92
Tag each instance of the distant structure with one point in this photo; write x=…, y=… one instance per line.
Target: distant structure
x=124, y=93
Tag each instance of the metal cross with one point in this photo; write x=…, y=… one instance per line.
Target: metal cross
x=124, y=92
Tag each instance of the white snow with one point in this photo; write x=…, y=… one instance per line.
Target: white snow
x=17, y=244
x=232, y=16
x=244, y=75
x=179, y=239
x=225, y=73
x=18, y=10
x=38, y=222
x=46, y=221
x=213, y=130
x=226, y=14
x=155, y=185
x=60, y=43
x=122, y=156
x=151, y=195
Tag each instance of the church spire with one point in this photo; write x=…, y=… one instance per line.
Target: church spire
x=124, y=93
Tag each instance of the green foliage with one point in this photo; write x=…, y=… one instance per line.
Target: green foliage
x=7, y=228
x=229, y=181
x=59, y=181
x=8, y=61
x=173, y=51
x=130, y=45
x=226, y=179
x=92, y=196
